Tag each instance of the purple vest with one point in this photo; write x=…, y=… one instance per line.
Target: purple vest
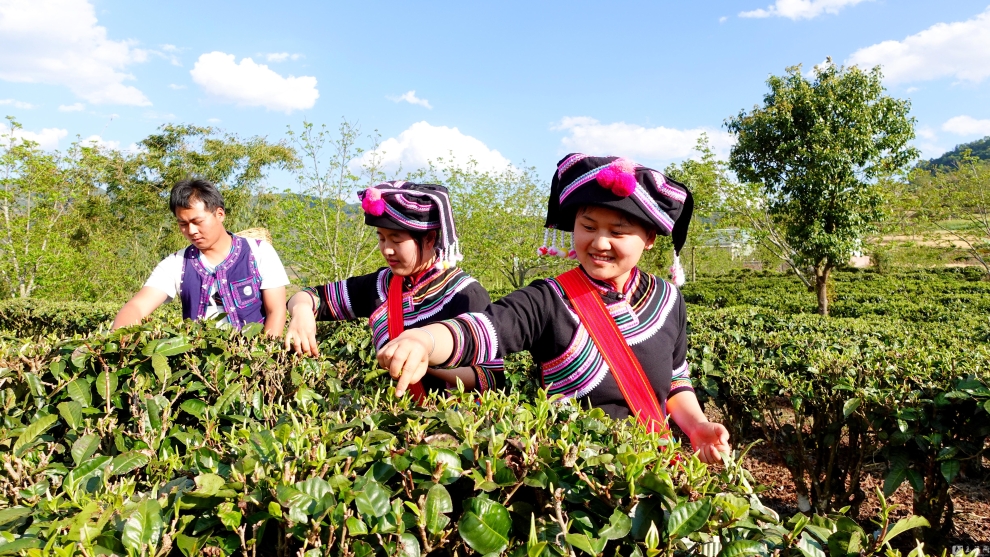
x=239, y=285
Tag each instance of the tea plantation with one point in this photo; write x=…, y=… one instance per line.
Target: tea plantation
x=177, y=438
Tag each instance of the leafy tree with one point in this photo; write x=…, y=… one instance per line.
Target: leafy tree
x=955, y=202
x=137, y=185
x=818, y=148
x=329, y=240
x=36, y=197
x=979, y=149
x=500, y=217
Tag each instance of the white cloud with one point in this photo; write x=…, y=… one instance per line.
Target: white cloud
x=58, y=42
x=46, y=138
x=967, y=125
x=911, y=89
x=97, y=141
x=176, y=87
x=421, y=143
x=170, y=48
x=411, y=98
x=723, y=19
x=801, y=9
x=74, y=107
x=214, y=120
x=925, y=132
x=17, y=104
x=160, y=116
x=659, y=144
x=250, y=84
x=960, y=50
x=282, y=56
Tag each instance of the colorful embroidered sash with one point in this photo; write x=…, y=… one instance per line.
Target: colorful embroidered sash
x=619, y=357
x=396, y=326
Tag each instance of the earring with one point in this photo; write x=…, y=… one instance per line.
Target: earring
x=649, y=247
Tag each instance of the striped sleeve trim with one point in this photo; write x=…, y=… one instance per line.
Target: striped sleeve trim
x=474, y=338
x=681, y=380
x=338, y=301
x=457, y=340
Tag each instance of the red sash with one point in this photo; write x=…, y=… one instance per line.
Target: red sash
x=626, y=369
x=396, y=326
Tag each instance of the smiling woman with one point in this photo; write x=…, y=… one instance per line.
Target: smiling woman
x=422, y=284
x=605, y=333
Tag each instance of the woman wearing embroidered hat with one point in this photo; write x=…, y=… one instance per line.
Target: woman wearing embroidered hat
x=420, y=285
x=606, y=332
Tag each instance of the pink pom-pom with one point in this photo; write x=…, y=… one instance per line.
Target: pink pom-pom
x=572, y=254
x=553, y=251
x=372, y=202
x=619, y=177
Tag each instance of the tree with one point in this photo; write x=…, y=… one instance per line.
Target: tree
x=500, y=217
x=329, y=238
x=818, y=149
x=137, y=184
x=955, y=202
x=36, y=198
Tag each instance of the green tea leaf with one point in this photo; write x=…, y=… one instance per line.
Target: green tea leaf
x=84, y=447
x=106, y=384
x=372, y=500
x=894, y=480
x=438, y=503
x=71, y=412
x=905, y=524
x=850, y=406
x=174, y=346
x=195, y=407
x=13, y=513
x=485, y=525
x=618, y=526
x=742, y=548
x=143, y=528
x=126, y=462
x=688, y=517
x=81, y=391
x=209, y=484
x=160, y=364
x=85, y=475
x=950, y=469
x=21, y=544
x=32, y=431
x=408, y=546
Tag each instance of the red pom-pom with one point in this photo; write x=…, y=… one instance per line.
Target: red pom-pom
x=619, y=177
x=372, y=202
x=624, y=185
x=542, y=250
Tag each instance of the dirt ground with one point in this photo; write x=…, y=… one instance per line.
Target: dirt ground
x=971, y=497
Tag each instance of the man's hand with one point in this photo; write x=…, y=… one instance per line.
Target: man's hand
x=406, y=358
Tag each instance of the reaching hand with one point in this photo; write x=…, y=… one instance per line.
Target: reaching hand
x=301, y=335
x=406, y=358
x=708, y=439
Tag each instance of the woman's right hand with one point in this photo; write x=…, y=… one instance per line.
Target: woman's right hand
x=301, y=335
x=406, y=358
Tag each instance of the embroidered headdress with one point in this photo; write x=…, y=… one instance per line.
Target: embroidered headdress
x=414, y=207
x=619, y=184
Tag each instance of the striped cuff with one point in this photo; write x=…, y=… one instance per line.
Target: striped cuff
x=457, y=342
x=680, y=380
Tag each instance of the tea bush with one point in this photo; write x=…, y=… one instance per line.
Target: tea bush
x=186, y=439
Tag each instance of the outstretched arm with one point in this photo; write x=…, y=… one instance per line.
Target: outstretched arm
x=274, y=300
x=708, y=439
x=301, y=335
x=407, y=356
x=140, y=306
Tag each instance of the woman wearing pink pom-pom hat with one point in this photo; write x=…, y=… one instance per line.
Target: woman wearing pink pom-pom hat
x=421, y=283
x=605, y=333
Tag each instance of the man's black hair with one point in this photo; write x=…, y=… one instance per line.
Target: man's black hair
x=190, y=190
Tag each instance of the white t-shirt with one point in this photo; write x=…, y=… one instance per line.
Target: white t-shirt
x=167, y=276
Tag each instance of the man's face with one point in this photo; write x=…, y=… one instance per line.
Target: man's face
x=201, y=227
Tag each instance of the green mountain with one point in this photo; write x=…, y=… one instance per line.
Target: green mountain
x=980, y=149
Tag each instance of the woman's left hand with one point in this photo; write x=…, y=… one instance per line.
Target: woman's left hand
x=708, y=439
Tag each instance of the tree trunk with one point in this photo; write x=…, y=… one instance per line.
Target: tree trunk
x=821, y=287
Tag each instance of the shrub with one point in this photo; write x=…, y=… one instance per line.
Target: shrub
x=191, y=440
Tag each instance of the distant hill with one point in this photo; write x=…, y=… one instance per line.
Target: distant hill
x=980, y=149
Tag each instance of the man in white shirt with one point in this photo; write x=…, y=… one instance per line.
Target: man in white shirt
x=218, y=273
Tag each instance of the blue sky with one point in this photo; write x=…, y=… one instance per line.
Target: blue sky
x=506, y=82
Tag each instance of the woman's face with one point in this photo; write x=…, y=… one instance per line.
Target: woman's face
x=401, y=252
x=609, y=244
